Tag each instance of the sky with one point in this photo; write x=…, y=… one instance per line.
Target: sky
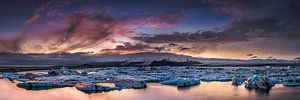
x=232, y=29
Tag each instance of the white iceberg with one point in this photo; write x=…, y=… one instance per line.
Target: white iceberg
x=259, y=82
x=131, y=83
x=237, y=81
x=40, y=85
x=291, y=82
x=62, y=71
x=221, y=78
x=182, y=82
x=90, y=88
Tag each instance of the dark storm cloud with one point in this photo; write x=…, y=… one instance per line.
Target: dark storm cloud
x=237, y=31
x=127, y=46
x=276, y=21
x=256, y=8
x=281, y=28
x=285, y=13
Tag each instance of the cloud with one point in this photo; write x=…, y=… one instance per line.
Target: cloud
x=81, y=30
x=162, y=20
x=190, y=37
x=78, y=29
x=128, y=47
x=257, y=22
x=250, y=55
x=33, y=18
x=12, y=44
x=173, y=44
x=237, y=31
x=184, y=49
x=51, y=8
x=280, y=16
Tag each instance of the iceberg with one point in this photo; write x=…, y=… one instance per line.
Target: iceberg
x=40, y=85
x=237, y=81
x=291, y=82
x=259, y=82
x=10, y=76
x=182, y=82
x=216, y=78
x=1, y=76
x=91, y=88
x=29, y=76
x=62, y=71
x=131, y=83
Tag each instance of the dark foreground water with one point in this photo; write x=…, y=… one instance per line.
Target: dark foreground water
x=155, y=91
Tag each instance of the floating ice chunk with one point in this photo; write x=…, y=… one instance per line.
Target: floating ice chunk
x=10, y=76
x=62, y=71
x=216, y=78
x=291, y=82
x=182, y=82
x=40, y=85
x=1, y=76
x=131, y=83
x=90, y=88
x=237, y=81
x=154, y=77
x=170, y=82
x=66, y=79
x=259, y=82
x=29, y=76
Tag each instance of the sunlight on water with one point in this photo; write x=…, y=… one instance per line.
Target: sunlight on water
x=155, y=91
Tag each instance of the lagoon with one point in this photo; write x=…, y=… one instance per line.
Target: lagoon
x=154, y=91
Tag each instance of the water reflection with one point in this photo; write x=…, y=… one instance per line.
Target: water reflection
x=155, y=91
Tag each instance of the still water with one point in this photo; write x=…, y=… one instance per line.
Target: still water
x=155, y=91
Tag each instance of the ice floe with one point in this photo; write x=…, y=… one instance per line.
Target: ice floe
x=137, y=77
x=131, y=83
x=182, y=82
x=91, y=88
x=259, y=82
x=291, y=82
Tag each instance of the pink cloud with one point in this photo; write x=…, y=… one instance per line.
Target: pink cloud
x=33, y=18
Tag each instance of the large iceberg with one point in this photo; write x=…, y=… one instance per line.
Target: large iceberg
x=29, y=76
x=182, y=82
x=259, y=82
x=62, y=71
x=66, y=79
x=40, y=85
x=91, y=88
x=131, y=83
x=291, y=82
x=221, y=78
